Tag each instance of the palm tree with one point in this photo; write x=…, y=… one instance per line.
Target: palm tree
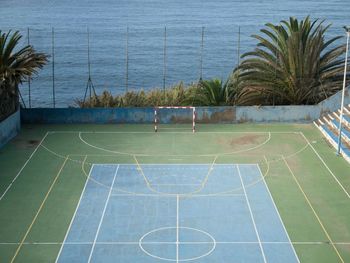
x=293, y=64
x=16, y=66
x=208, y=93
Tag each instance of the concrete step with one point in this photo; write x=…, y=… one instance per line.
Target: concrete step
x=347, y=110
x=317, y=123
x=329, y=126
x=332, y=137
x=334, y=123
x=346, y=118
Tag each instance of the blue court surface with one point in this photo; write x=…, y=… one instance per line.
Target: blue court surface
x=211, y=213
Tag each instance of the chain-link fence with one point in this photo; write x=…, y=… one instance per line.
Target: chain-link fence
x=127, y=58
x=120, y=59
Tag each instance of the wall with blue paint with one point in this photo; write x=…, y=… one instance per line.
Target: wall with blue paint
x=9, y=128
x=277, y=114
x=146, y=115
x=94, y=115
x=333, y=103
x=238, y=114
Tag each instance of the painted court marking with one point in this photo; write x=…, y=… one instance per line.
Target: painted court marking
x=213, y=244
x=176, y=155
x=39, y=210
x=75, y=212
x=149, y=184
x=150, y=238
x=103, y=215
x=25, y=164
x=177, y=228
x=314, y=211
x=251, y=215
x=279, y=215
x=189, y=132
x=173, y=243
x=301, y=133
x=324, y=163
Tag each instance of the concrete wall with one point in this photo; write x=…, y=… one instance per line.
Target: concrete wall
x=146, y=115
x=204, y=114
x=95, y=115
x=277, y=114
x=9, y=128
x=333, y=103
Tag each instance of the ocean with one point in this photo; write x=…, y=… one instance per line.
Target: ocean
x=108, y=21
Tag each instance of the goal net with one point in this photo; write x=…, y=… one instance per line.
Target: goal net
x=170, y=111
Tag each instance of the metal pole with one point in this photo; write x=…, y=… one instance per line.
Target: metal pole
x=277, y=63
x=53, y=69
x=88, y=42
x=201, y=58
x=89, y=64
x=29, y=81
x=155, y=120
x=127, y=60
x=344, y=86
x=194, y=120
x=165, y=53
x=239, y=46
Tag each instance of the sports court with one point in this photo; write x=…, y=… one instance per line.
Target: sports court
x=155, y=213
x=124, y=193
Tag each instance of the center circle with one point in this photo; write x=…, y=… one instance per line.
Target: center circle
x=161, y=242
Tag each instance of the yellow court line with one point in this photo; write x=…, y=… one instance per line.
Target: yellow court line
x=209, y=172
x=149, y=186
x=327, y=167
x=39, y=210
x=313, y=210
x=144, y=176
x=83, y=165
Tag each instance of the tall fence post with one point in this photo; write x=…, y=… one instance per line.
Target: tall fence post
x=127, y=60
x=201, y=57
x=29, y=80
x=239, y=46
x=53, y=67
x=89, y=85
x=164, y=59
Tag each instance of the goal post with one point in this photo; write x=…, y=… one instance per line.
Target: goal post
x=157, y=109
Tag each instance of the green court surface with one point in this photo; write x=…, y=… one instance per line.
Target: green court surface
x=44, y=169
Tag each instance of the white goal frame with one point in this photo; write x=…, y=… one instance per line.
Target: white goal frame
x=156, y=109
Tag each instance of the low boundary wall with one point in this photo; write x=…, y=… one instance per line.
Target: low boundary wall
x=9, y=128
x=237, y=114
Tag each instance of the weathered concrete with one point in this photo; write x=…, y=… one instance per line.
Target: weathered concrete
x=95, y=115
x=9, y=128
x=204, y=114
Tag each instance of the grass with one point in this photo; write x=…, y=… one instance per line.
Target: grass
x=38, y=207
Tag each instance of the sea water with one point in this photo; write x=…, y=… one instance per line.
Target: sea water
x=117, y=67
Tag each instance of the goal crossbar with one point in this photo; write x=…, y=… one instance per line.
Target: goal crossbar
x=156, y=110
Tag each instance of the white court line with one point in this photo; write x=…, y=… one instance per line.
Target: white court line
x=177, y=228
x=173, y=243
x=175, y=184
x=175, y=164
x=73, y=217
x=174, y=155
x=324, y=163
x=251, y=214
x=213, y=132
x=313, y=210
x=149, y=184
x=103, y=215
x=172, y=195
x=25, y=164
x=278, y=213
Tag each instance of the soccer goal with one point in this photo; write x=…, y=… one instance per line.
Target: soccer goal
x=158, y=110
